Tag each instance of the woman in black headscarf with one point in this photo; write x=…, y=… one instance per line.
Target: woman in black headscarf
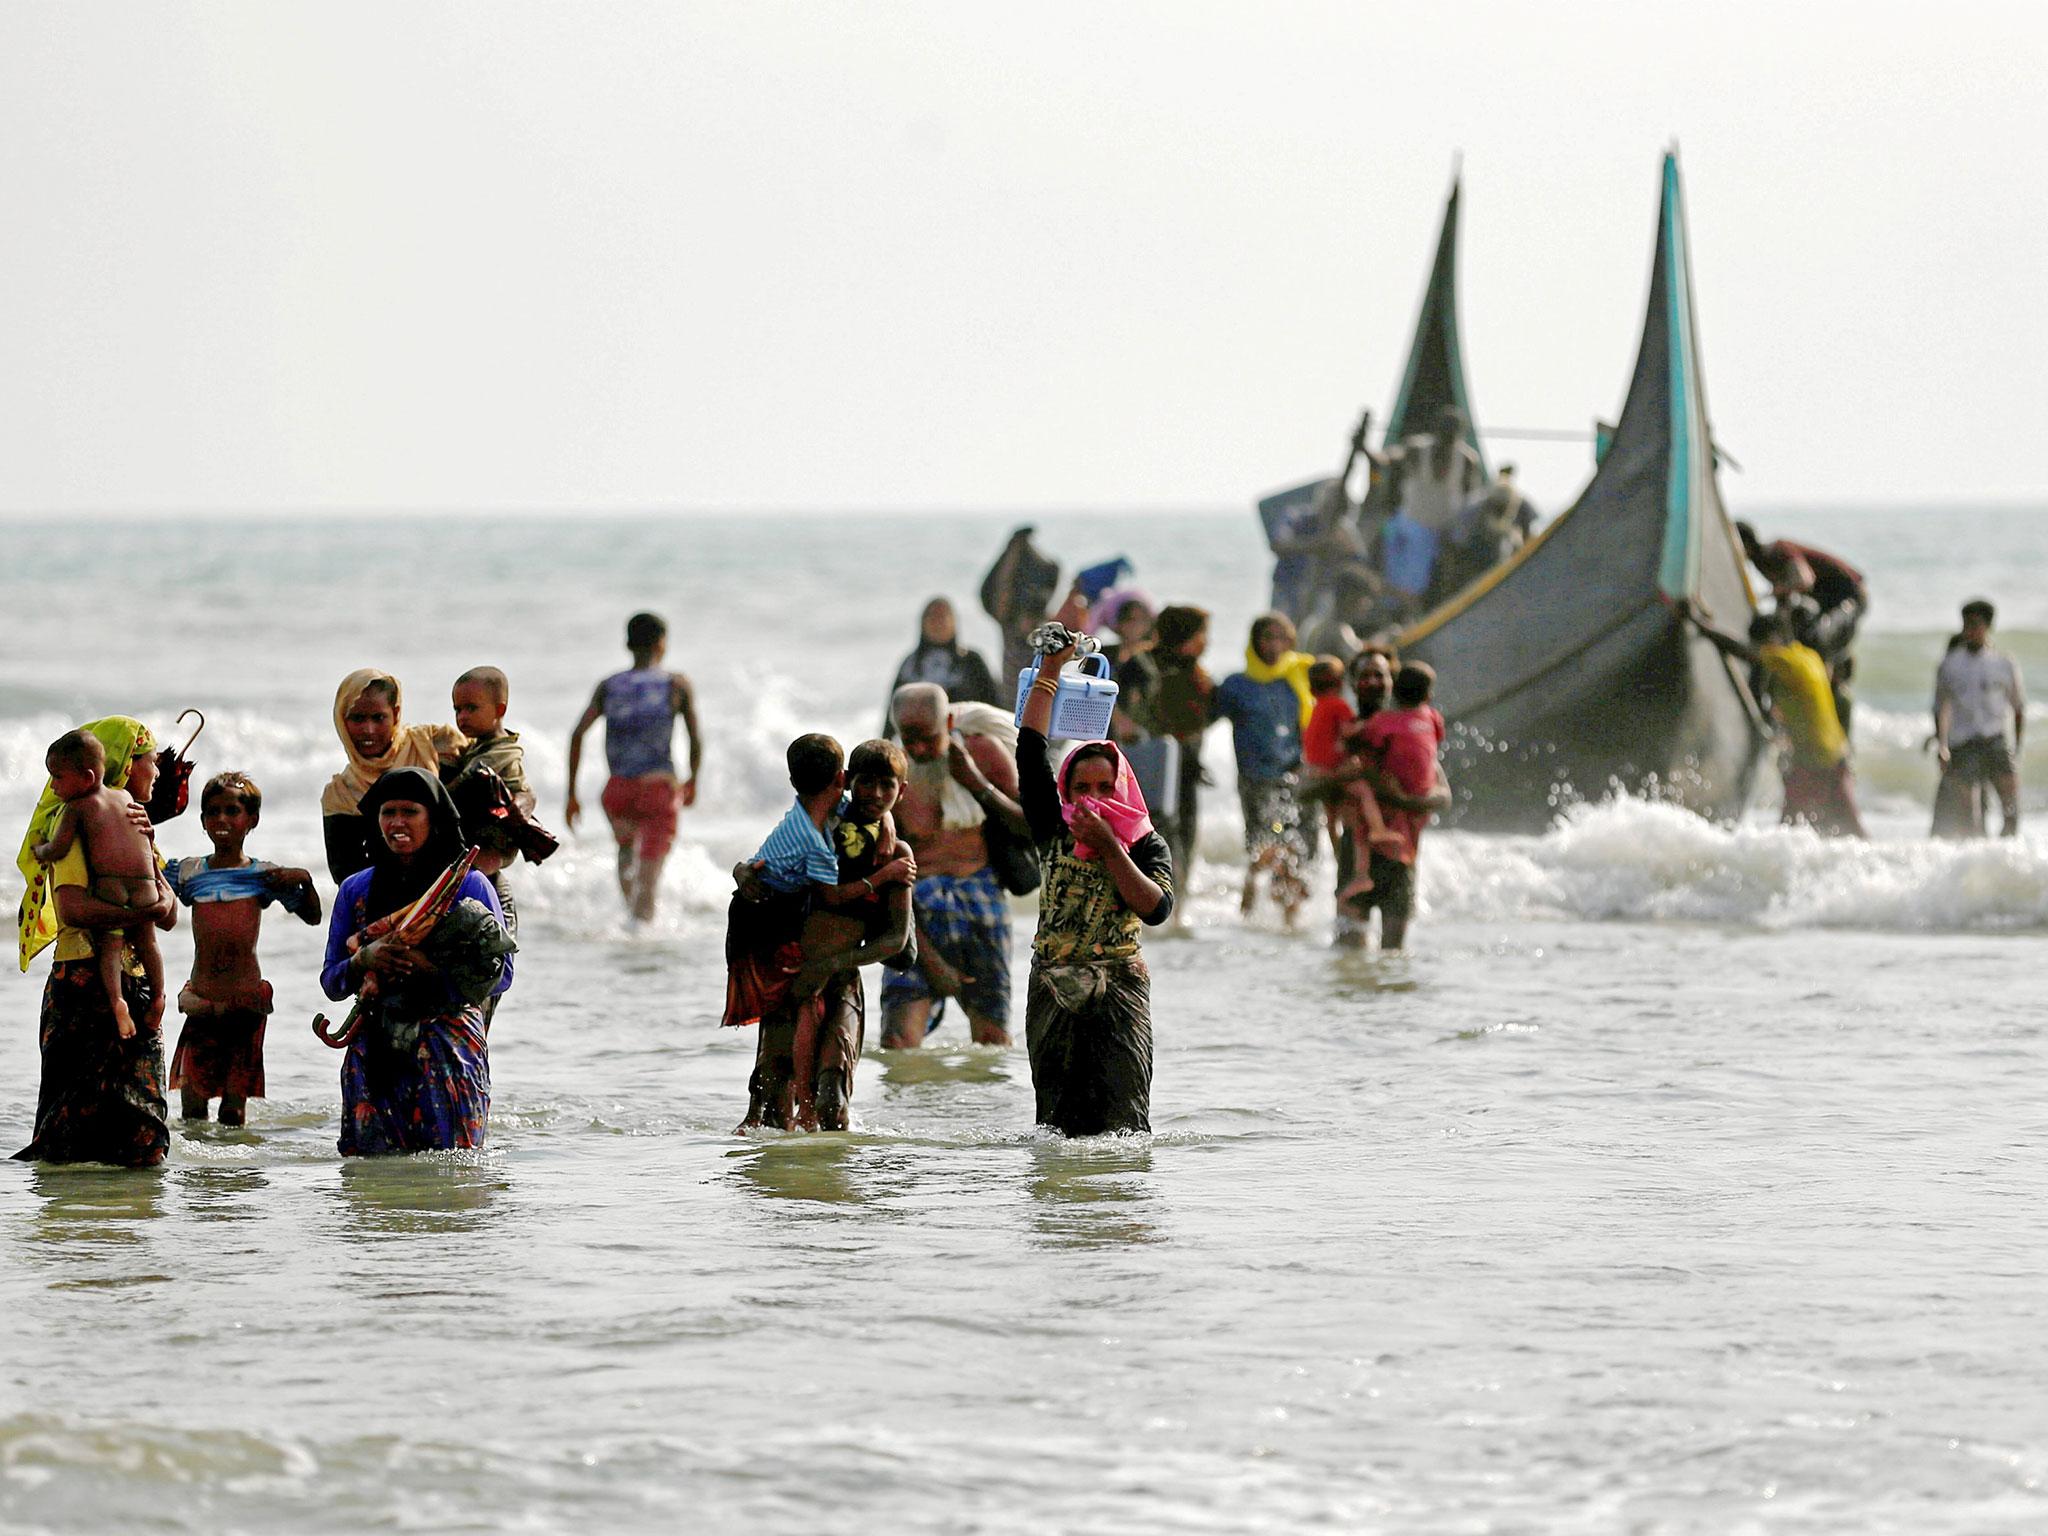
x=417, y=1075
x=940, y=658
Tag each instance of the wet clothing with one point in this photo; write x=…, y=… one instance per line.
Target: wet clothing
x=1272, y=819
x=195, y=881
x=798, y=852
x=1823, y=797
x=639, y=722
x=1983, y=691
x=965, y=920
x=1322, y=742
x=221, y=1054
x=102, y=1097
x=961, y=672
x=416, y=1076
x=1088, y=1009
x=643, y=814
x=1265, y=724
x=836, y=1019
x=1406, y=742
x=1800, y=691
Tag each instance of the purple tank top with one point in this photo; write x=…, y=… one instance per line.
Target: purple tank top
x=639, y=723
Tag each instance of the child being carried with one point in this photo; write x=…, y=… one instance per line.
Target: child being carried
x=121, y=859
x=1328, y=744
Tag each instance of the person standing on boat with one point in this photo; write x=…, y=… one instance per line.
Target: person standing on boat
x=1439, y=476
x=1976, y=691
x=1823, y=595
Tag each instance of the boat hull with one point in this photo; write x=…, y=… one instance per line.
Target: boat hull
x=1645, y=707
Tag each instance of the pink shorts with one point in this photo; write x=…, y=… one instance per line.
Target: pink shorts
x=643, y=813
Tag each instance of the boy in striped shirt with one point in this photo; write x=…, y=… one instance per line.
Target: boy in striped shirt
x=795, y=872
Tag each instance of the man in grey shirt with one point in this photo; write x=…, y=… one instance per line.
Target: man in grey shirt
x=1976, y=691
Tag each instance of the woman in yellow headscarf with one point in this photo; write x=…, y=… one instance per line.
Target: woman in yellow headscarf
x=366, y=718
x=101, y=1097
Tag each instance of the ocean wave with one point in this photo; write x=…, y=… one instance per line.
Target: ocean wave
x=1633, y=860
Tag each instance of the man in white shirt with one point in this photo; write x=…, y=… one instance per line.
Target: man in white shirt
x=1976, y=690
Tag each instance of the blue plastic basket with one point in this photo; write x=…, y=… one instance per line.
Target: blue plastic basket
x=1084, y=704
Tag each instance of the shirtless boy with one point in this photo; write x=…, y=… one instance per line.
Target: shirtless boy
x=227, y=1001
x=121, y=859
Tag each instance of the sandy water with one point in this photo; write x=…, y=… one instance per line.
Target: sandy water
x=1680, y=1179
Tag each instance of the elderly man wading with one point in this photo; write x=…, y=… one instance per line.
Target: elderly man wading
x=962, y=794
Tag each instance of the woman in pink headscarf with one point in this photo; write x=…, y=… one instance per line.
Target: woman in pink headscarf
x=1088, y=1007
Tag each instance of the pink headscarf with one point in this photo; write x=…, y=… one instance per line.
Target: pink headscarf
x=1124, y=810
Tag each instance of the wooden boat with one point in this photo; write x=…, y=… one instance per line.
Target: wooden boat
x=1572, y=669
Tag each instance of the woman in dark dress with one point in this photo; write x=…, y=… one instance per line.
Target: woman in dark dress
x=417, y=1076
x=1088, y=1005
x=940, y=658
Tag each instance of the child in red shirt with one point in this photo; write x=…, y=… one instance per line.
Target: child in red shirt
x=1404, y=740
x=1327, y=743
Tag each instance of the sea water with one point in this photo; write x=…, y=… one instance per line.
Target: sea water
x=1680, y=1178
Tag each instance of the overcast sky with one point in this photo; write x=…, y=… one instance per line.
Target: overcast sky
x=967, y=255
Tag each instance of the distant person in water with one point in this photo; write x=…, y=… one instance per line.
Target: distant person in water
x=640, y=707
x=1977, y=694
x=1814, y=765
x=940, y=658
x=1392, y=891
x=1180, y=704
x=1017, y=592
x=962, y=793
x=1824, y=597
x=227, y=1002
x=1267, y=706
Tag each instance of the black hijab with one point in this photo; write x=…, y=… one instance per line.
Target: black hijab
x=394, y=885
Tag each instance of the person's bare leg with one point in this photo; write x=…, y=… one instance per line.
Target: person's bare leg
x=234, y=1109
x=2008, y=787
x=1393, y=930
x=193, y=1105
x=646, y=884
x=905, y=1022
x=107, y=951
x=985, y=1031
x=143, y=941
x=1361, y=864
x=627, y=862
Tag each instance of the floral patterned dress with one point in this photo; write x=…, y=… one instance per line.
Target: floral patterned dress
x=417, y=1075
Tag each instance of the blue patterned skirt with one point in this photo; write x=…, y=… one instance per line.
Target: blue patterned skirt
x=425, y=1087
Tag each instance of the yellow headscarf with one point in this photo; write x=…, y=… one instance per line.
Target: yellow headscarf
x=1291, y=668
x=124, y=741
x=412, y=746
